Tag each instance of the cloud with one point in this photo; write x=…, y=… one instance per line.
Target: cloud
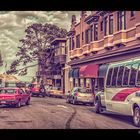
x=13, y=24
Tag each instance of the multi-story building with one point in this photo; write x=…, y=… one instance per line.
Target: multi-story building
x=99, y=39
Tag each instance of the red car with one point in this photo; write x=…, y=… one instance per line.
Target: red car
x=14, y=96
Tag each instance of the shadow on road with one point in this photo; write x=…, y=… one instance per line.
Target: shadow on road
x=123, y=118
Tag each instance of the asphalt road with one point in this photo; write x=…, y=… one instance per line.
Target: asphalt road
x=55, y=113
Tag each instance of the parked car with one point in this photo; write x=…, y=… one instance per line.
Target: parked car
x=37, y=89
x=54, y=92
x=14, y=96
x=80, y=95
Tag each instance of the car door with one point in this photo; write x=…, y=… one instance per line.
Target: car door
x=21, y=96
x=24, y=96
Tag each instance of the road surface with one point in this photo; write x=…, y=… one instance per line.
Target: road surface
x=55, y=113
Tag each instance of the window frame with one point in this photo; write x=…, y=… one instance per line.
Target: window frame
x=122, y=76
x=78, y=41
x=110, y=78
x=116, y=77
x=111, y=27
x=101, y=25
x=119, y=20
x=105, y=26
x=95, y=31
x=128, y=75
x=132, y=14
x=136, y=75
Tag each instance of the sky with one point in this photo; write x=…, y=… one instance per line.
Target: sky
x=13, y=25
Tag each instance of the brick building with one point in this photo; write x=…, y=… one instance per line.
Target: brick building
x=99, y=39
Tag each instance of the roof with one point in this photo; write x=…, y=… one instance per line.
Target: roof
x=58, y=40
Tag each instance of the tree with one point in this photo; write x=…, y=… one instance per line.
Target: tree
x=35, y=42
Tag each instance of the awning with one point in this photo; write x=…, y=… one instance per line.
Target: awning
x=90, y=71
x=74, y=73
x=103, y=70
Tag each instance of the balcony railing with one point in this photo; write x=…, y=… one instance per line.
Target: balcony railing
x=138, y=31
x=108, y=41
x=86, y=49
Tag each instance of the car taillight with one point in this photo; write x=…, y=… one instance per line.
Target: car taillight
x=76, y=94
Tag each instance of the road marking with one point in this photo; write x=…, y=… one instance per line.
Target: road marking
x=61, y=106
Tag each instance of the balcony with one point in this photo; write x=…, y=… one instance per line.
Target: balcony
x=119, y=38
x=108, y=41
x=60, y=59
x=137, y=31
x=86, y=49
x=96, y=46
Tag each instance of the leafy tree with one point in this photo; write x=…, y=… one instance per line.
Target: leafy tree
x=33, y=46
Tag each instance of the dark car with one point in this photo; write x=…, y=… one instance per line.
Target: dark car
x=14, y=96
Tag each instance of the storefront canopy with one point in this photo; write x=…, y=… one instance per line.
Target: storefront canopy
x=74, y=73
x=103, y=70
x=90, y=71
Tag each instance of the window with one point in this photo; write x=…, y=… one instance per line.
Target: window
x=91, y=31
x=78, y=41
x=72, y=43
x=87, y=36
x=69, y=43
x=133, y=13
x=114, y=77
x=95, y=32
x=109, y=76
x=101, y=26
x=126, y=75
x=120, y=74
x=121, y=20
x=111, y=24
x=138, y=76
x=105, y=26
x=133, y=74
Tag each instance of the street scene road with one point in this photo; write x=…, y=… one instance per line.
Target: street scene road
x=55, y=113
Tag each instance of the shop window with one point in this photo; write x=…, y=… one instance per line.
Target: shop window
x=81, y=82
x=76, y=82
x=126, y=75
x=120, y=74
x=111, y=24
x=121, y=22
x=91, y=32
x=78, y=41
x=87, y=83
x=114, y=77
x=109, y=76
x=133, y=74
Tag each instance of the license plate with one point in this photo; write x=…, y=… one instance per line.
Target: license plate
x=3, y=102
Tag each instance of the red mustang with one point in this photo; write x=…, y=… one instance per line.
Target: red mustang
x=14, y=96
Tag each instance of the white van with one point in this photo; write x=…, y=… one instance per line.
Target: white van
x=121, y=90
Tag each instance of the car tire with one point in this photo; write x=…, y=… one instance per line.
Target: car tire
x=136, y=116
x=98, y=108
x=18, y=105
x=28, y=102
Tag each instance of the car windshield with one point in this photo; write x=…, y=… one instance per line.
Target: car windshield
x=7, y=91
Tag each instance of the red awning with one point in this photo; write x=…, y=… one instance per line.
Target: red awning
x=89, y=71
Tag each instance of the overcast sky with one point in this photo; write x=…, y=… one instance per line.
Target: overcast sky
x=13, y=24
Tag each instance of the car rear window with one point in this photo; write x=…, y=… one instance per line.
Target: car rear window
x=7, y=91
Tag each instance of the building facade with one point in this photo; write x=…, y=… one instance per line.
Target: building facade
x=99, y=39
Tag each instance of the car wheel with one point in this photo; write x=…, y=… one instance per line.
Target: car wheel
x=28, y=102
x=136, y=116
x=98, y=108
x=18, y=105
